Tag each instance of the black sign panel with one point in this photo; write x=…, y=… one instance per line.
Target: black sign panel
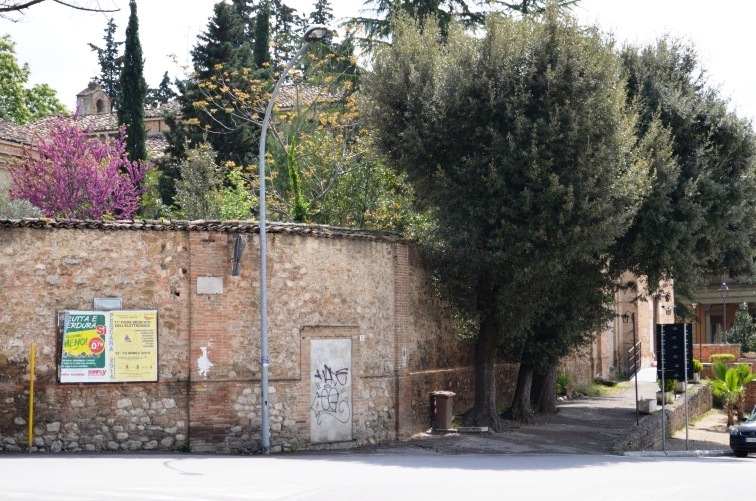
x=671, y=353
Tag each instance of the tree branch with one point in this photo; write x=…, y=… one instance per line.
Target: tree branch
x=19, y=5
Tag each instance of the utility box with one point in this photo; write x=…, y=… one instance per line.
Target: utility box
x=441, y=410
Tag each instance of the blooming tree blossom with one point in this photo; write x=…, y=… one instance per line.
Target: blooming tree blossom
x=73, y=175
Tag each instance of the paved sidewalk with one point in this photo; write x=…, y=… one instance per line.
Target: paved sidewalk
x=585, y=425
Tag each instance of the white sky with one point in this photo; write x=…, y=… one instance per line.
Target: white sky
x=53, y=39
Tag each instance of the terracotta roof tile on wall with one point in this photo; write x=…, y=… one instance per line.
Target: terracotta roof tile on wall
x=230, y=226
x=16, y=133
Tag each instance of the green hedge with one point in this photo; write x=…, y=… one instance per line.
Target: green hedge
x=722, y=357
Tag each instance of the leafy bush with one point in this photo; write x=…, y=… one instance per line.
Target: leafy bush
x=15, y=209
x=563, y=383
x=73, y=175
x=697, y=365
x=669, y=384
x=721, y=357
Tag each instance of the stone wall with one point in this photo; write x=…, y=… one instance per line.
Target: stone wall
x=648, y=434
x=323, y=284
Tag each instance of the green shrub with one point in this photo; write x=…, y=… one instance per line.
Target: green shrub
x=697, y=365
x=721, y=357
x=669, y=384
x=563, y=382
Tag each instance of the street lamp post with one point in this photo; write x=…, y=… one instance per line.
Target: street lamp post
x=723, y=289
x=694, y=305
x=312, y=34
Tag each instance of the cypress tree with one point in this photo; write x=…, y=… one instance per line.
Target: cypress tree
x=133, y=90
x=110, y=62
x=262, y=36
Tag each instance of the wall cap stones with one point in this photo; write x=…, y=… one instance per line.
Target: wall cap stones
x=229, y=226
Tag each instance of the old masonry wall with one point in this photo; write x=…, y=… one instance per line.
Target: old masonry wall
x=357, y=339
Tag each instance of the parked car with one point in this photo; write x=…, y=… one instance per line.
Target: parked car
x=743, y=436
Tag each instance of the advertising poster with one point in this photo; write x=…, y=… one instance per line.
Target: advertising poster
x=84, y=357
x=109, y=346
x=134, y=350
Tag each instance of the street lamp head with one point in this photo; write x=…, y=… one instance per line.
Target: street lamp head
x=625, y=317
x=315, y=32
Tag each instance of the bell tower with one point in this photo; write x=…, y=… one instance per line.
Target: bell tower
x=93, y=101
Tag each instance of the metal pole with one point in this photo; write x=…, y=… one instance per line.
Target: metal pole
x=31, y=397
x=265, y=410
x=724, y=313
x=723, y=289
x=636, y=362
x=663, y=394
x=685, y=367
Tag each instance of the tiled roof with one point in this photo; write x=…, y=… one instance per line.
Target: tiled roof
x=107, y=123
x=25, y=134
x=231, y=226
x=305, y=94
x=16, y=133
x=169, y=107
x=156, y=146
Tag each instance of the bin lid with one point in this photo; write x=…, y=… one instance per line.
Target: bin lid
x=441, y=393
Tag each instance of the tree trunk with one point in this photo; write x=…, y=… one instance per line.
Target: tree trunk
x=521, y=410
x=535, y=389
x=489, y=336
x=544, y=393
x=484, y=412
x=730, y=414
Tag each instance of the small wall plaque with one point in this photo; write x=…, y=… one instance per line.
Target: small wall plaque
x=108, y=303
x=209, y=285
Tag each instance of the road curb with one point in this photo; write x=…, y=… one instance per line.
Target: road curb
x=678, y=454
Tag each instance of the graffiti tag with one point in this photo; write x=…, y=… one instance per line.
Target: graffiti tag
x=331, y=395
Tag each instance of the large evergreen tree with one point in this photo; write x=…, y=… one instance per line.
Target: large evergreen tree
x=286, y=32
x=246, y=11
x=222, y=52
x=376, y=25
x=700, y=217
x=261, y=48
x=323, y=13
x=530, y=167
x=133, y=90
x=162, y=94
x=110, y=61
x=535, y=6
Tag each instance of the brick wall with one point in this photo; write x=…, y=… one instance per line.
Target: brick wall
x=708, y=350
x=373, y=290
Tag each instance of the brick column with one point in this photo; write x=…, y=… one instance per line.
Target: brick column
x=403, y=393
x=210, y=415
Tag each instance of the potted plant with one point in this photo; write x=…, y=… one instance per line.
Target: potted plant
x=669, y=391
x=564, y=385
x=697, y=369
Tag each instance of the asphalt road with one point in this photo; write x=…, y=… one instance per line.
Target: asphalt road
x=361, y=476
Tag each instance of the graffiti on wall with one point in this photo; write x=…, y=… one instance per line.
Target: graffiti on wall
x=331, y=390
x=203, y=362
x=331, y=397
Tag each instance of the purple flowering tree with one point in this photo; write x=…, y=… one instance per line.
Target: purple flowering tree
x=72, y=175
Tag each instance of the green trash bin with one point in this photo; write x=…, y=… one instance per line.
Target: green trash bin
x=441, y=410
